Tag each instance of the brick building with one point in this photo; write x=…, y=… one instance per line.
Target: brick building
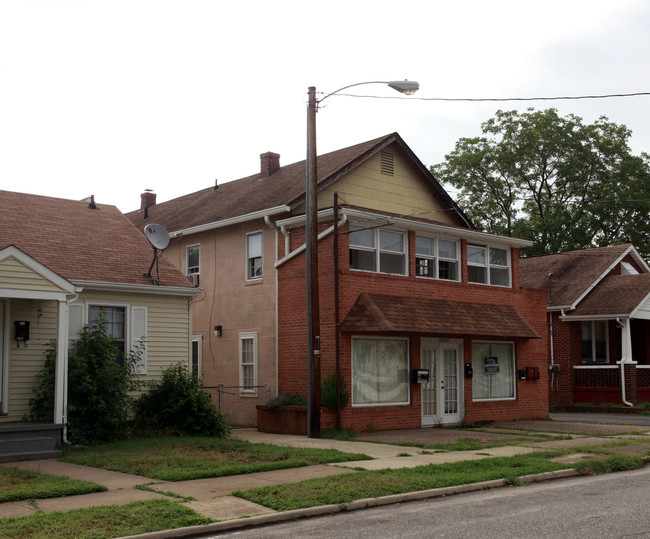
x=419, y=288
x=599, y=323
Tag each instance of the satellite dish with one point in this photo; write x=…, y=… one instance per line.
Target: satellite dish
x=159, y=239
x=157, y=235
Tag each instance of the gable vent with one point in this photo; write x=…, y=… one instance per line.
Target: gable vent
x=387, y=163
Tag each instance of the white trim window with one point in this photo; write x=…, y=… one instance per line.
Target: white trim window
x=196, y=365
x=436, y=258
x=595, y=342
x=380, y=369
x=114, y=322
x=127, y=326
x=377, y=249
x=493, y=365
x=248, y=361
x=488, y=265
x=254, y=259
x=193, y=262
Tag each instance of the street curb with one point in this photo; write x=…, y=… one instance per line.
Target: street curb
x=274, y=518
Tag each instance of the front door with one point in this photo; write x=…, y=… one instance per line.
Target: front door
x=442, y=396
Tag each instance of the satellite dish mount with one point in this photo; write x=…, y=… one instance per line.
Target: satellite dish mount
x=159, y=239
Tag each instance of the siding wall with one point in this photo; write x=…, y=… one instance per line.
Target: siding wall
x=16, y=276
x=169, y=332
x=403, y=193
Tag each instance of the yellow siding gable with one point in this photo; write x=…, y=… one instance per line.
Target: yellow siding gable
x=15, y=275
x=404, y=192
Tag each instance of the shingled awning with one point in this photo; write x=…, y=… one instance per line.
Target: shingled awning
x=376, y=313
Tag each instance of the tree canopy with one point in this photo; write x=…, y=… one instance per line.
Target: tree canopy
x=554, y=180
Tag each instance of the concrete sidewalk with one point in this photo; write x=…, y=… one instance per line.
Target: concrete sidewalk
x=212, y=496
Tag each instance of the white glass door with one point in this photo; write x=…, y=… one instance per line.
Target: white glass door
x=442, y=394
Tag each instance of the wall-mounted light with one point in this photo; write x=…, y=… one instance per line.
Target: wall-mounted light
x=218, y=331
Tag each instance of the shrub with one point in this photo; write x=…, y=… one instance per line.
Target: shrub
x=287, y=400
x=99, y=382
x=178, y=404
x=328, y=392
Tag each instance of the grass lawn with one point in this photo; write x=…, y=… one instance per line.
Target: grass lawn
x=99, y=522
x=342, y=489
x=195, y=457
x=18, y=485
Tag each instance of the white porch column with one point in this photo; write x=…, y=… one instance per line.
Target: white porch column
x=626, y=342
x=61, y=367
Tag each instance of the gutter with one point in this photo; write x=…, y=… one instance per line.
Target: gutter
x=139, y=288
x=262, y=214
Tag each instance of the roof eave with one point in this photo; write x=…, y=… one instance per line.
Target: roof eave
x=231, y=221
x=138, y=288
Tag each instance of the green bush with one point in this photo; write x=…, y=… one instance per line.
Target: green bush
x=287, y=400
x=328, y=392
x=99, y=382
x=178, y=404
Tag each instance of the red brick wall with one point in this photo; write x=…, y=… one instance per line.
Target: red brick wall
x=532, y=396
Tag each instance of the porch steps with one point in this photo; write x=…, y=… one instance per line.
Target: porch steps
x=29, y=442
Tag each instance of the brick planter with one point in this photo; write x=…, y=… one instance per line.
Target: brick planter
x=290, y=419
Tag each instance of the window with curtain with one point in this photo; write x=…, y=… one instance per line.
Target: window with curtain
x=493, y=364
x=379, y=371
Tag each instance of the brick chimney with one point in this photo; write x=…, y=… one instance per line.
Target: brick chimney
x=147, y=199
x=269, y=163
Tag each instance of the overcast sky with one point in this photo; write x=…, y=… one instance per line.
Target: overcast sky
x=113, y=97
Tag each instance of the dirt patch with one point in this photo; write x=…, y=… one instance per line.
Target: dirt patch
x=574, y=457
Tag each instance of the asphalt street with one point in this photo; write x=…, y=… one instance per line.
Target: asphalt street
x=614, y=505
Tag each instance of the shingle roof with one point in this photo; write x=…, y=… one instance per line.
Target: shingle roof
x=80, y=243
x=376, y=313
x=285, y=187
x=615, y=295
x=573, y=272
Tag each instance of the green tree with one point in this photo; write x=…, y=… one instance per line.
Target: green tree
x=553, y=180
x=99, y=382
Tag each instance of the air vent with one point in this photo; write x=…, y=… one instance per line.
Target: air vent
x=387, y=163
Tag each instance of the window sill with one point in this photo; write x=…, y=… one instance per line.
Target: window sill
x=253, y=282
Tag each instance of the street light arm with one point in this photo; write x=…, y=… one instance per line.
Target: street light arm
x=406, y=87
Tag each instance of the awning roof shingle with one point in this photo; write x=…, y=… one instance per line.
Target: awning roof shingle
x=376, y=313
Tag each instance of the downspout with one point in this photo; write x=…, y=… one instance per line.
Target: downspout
x=626, y=349
x=272, y=225
x=287, y=240
x=337, y=324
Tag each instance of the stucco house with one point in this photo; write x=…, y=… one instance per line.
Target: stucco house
x=419, y=288
x=599, y=323
x=62, y=262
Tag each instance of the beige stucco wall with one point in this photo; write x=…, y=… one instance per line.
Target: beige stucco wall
x=231, y=301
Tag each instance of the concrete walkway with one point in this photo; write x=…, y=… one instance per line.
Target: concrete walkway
x=212, y=496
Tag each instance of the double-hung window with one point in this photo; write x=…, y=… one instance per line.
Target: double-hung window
x=193, y=254
x=254, y=261
x=493, y=365
x=488, y=265
x=594, y=341
x=377, y=249
x=437, y=259
x=114, y=319
x=248, y=361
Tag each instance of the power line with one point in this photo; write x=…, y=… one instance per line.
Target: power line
x=502, y=99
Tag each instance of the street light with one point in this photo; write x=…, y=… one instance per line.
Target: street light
x=311, y=247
